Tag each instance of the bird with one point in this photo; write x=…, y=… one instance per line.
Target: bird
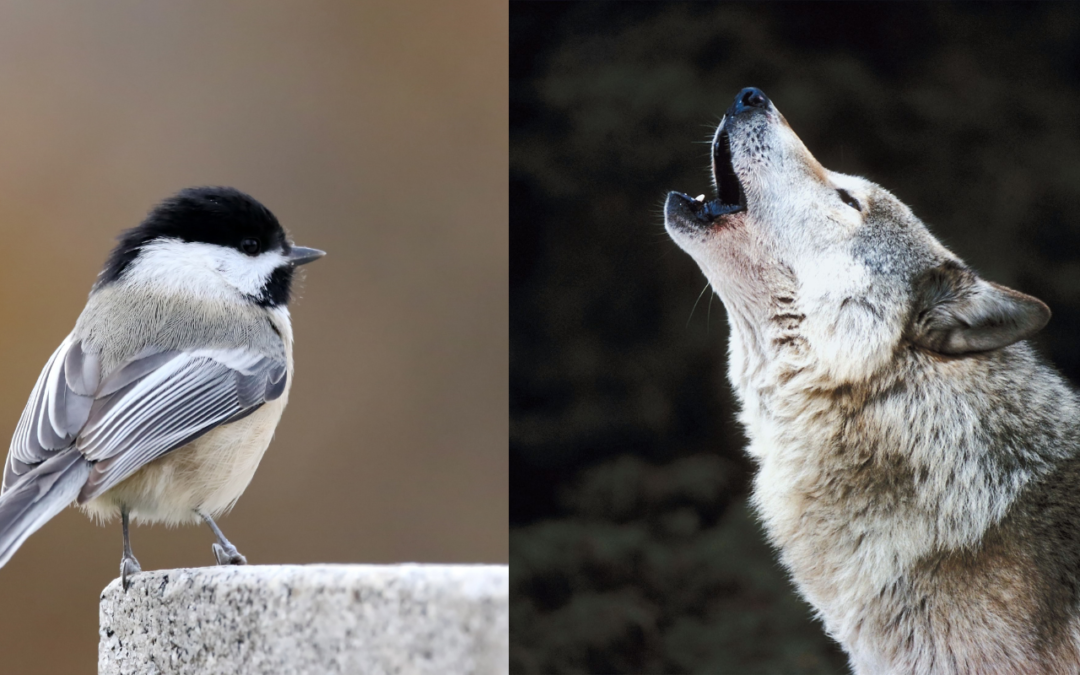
x=160, y=403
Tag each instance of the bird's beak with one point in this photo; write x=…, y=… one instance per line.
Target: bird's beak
x=302, y=255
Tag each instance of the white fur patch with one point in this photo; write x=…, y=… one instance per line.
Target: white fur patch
x=206, y=269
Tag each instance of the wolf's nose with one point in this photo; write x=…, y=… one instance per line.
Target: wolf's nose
x=751, y=97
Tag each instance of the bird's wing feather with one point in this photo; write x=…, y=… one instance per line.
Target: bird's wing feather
x=53, y=416
x=156, y=402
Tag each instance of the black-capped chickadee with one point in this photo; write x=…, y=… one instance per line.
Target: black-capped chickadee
x=161, y=402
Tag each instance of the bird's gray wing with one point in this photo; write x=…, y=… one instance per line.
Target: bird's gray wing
x=156, y=402
x=58, y=407
x=164, y=400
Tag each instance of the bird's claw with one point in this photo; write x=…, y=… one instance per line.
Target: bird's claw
x=129, y=566
x=228, y=555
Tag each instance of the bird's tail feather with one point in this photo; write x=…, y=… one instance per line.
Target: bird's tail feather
x=39, y=495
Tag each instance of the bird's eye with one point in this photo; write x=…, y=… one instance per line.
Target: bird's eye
x=250, y=246
x=849, y=200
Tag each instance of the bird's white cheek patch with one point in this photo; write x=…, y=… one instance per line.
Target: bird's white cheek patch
x=249, y=274
x=196, y=267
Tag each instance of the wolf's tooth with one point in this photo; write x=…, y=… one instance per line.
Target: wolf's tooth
x=699, y=198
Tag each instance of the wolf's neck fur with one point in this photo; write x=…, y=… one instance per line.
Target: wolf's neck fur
x=859, y=485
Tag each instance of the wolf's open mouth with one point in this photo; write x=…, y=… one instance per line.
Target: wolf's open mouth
x=731, y=197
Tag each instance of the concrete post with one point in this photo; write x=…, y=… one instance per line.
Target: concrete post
x=308, y=619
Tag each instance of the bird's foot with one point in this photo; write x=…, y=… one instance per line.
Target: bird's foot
x=129, y=566
x=228, y=555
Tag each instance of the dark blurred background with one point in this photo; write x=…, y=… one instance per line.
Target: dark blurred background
x=631, y=546
x=374, y=130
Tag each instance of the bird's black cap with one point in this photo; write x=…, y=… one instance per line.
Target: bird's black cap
x=214, y=215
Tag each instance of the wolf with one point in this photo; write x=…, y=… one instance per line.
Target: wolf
x=918, y=465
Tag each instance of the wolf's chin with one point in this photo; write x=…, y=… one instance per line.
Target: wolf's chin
x=684, y=213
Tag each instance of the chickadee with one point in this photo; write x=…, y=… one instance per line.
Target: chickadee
x=161, y=402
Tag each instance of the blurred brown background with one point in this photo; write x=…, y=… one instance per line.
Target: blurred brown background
x=374, y=130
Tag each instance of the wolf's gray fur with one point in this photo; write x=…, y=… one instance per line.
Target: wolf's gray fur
x=918, y=466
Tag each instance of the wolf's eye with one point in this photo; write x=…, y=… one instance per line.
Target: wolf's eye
x=848, y=199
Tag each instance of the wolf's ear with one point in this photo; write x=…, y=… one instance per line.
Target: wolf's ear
x=956, y=312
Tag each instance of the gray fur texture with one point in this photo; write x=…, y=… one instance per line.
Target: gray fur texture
x=918, y=465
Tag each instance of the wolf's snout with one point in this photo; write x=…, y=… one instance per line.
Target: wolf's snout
x=684, y=214
x=750, y=98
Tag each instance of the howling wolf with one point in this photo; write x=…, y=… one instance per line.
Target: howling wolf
x=918, y=465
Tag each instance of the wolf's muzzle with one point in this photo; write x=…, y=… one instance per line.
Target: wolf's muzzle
x=689, y=214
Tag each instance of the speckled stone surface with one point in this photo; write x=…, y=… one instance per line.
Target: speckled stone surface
x=316, y=619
